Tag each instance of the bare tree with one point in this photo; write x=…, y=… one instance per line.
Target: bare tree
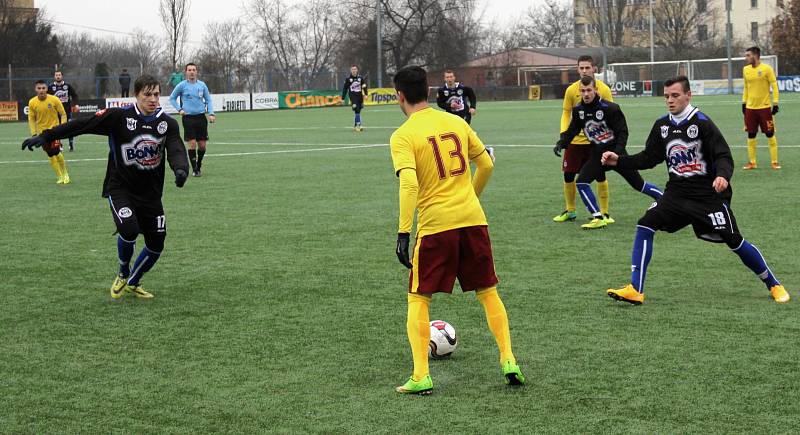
x=619, y=17
x=677, y=25
x=224, y=56
x=547, y=25
x=143, y=52
x=175, y=19
x=785, y=28
x=299, y=40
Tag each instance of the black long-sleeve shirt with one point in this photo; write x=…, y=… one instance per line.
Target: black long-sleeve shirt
x=137, y=147
x=456, y=100
x=65, y=92
x=602, y=122
x=695, y=152
x=355, y=87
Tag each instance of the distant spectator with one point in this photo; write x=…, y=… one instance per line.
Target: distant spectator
x=125, y=83
x=176, y=78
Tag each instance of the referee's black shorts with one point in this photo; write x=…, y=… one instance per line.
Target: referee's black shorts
x=195, y=127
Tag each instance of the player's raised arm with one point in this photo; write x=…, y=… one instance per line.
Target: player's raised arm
x=100, y=123
x=652, y=155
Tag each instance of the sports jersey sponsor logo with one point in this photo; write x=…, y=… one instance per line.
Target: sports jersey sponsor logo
x=599, y=115
x=131, y=123
x=692, y=131
x=125, y=212
x=355, y=86
x=685, y=159
x=162, y=127
x=143, y=151
x=598, y=132
x=456, y=103
x=664, y=131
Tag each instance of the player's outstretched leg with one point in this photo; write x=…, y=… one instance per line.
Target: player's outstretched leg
x=497, y=318
x=419, y=337
x=589, y=200
x=633, y=293
x=144, y=262
x=752, y=258
x=125, y=253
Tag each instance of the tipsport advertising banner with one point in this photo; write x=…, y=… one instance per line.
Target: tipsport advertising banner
x=381, y=97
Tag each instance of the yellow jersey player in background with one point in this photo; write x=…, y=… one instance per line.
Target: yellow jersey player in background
x=757, y=106
x=45, y=112
x=431, y=153
x=579, y=150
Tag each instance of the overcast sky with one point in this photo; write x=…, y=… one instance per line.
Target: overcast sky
x=105, y=17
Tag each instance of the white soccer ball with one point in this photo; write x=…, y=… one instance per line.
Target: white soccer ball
x=443, y=339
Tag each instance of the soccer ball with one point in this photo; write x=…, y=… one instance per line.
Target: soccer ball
x=443, y=339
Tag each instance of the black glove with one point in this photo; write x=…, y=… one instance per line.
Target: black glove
x=775, y=109
x=33, y=142
x=559, y=146
x=180, y=177
x=744, y=108
x=402, y=249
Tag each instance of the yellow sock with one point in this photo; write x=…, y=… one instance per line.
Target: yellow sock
x=569, y=195
x=751, y=149
x=56, y=167
x=419, y=332
x=602, y=196
x=62, y=164
x=497, y=319
x=773, y=149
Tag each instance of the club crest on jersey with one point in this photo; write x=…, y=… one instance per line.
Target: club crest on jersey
x=131, y=123
x=125, y=212
x=446, y=93
x=685, y=159
x=599, y=115
x=598, y=132
x=162, y=127
x=581, y=114
x=143, y=151
x=459, y=92
x=664, y=131
x=692, y=132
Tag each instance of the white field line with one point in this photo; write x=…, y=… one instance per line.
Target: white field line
x=327, y=147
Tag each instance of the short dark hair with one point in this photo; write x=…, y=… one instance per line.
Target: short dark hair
x=589, y=80
x=412, y=81
x=755, y=50
x=190, y=64
x=145, y=81
x=683, y=80
x=449, y=71
x=586, y=58
x=40, y=82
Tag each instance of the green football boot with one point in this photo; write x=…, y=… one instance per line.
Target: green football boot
x=423, y=386
x=565, y=216
x=513, y=374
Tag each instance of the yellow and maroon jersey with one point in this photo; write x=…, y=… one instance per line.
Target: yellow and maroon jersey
x=439, y=147
x=44, y=114
x=757, y=83
x=572, y=97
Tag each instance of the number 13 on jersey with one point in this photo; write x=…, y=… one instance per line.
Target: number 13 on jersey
x=456, y=153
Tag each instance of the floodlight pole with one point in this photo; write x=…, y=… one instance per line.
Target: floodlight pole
x=652, y=42
x=728, y=32
x=603, y=36
x=378, y=32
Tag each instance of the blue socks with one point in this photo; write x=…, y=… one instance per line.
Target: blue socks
x=642, y=253
x=358, y=119
x=652, y=191
x=588, y=198
x=146, y=260
x=125, y=253
x=752, y=258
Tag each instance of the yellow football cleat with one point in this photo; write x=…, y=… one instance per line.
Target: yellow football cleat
x=118, y=287
x=626, y=294
x=780, y=294
x=776, y=166
x=66, y=179
x=139, y=292
x=595, y=224
x=60, y=180
x=565, y=216
x=609, y=220
x=750, y=166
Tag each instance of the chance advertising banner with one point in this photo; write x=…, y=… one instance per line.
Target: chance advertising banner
x=265, y=101
x=788, y=83
x=381, y=96
x=300, y=99
x=9, y=111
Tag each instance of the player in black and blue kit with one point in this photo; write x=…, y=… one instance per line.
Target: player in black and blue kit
x=195, y=102
x=698, y=192
x=456, y=98
x=356, y=88
x=140, y=137
x=605, y=127
x=68, y=96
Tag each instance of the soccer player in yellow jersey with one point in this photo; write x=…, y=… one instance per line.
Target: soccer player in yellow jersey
x=757, y=107
x=45, y=112
x=579, y=150
x=431, y=153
